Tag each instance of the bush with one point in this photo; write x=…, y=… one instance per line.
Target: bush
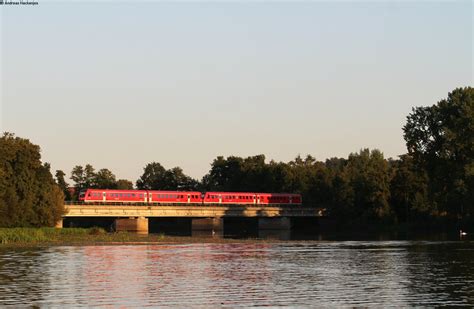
x=97, y=231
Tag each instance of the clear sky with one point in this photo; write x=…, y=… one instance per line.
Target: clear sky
x=119, y=85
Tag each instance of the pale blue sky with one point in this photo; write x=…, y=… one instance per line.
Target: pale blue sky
x=122, y=85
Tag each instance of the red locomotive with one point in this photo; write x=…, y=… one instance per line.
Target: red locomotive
x=150, y=197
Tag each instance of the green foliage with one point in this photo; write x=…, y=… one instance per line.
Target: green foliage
x=123, y=184
x=156, y=177
x=33, y=235
x=369, y=178
x=409, y=190
x=440, y=138
x=86, y=177
x=97, y=231
x=29, y=195
x=104, y=179
x=63, y=185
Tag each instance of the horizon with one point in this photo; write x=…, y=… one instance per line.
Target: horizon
x=182, y=83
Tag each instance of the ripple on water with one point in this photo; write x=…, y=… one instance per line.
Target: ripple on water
x=396, y=273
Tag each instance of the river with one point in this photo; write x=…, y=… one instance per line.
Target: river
x=287, y=273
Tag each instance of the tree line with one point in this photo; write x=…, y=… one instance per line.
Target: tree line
x=434, y=179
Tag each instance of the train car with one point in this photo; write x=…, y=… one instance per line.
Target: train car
x=174, y=197
x=250, y=198
x=279, y=199
x=229, y=198
x=113, y=196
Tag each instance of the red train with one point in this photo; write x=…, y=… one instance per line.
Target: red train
x=186, y=197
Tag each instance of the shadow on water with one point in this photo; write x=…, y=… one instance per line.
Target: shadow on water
x=170, y=226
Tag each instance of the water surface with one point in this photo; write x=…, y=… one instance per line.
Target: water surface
x=312, y=273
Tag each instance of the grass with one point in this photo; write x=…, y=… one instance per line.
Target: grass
x=47, y=235
x=19, y=237
x=32, y=235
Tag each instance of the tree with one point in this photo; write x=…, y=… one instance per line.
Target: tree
x=153, y=177
x=409, y=190
x=440, y=138
x=123, y=184
x=225, y=174
x=156, y=177
x=369, y=177
x=63, y=185
x=104, y=179
x=29, y=195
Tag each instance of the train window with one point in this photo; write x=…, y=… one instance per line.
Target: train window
x=133, y=194
x=141, y=195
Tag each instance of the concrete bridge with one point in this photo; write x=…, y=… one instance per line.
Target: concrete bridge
x=135, y=218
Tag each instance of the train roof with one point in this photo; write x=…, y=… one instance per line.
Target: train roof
x=252, y=193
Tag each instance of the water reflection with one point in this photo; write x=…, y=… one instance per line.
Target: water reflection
x=351, y=273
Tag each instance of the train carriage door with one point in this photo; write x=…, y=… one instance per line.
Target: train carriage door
x=291, y=199
x=150, y=197
x=258, y=199
x=254, y=200
x=145, y=197
x=220, y=199
x=189, y=199
x=103, y=196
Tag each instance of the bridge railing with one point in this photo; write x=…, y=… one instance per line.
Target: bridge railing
x=80, y=203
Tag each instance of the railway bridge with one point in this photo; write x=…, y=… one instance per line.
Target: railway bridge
x=135, y=218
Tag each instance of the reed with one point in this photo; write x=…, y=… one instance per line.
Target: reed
x=70, y=236
x=44, y=234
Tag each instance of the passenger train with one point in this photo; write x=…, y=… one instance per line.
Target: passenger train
x=150, y=197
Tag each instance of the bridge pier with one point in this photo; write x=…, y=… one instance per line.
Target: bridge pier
x=135, y=225
x=275, y=223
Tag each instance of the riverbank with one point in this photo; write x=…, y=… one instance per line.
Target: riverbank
x=20, y=237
